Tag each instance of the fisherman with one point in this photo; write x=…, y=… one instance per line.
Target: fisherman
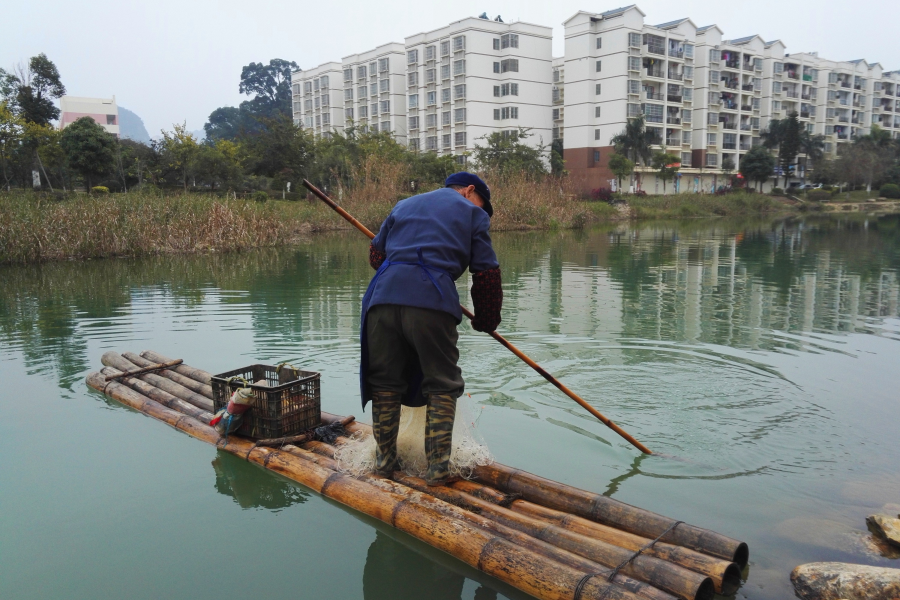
x=411, y=310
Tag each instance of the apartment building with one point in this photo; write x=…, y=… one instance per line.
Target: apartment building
x=558, y=97
x=104, y=111
x=318, y=98
x=374, y=93
x=474, y=77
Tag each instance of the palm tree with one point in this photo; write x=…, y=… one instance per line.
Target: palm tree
x=813, y=146
x=635, y=141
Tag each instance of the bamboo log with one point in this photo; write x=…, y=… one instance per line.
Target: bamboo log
x=150, y=366
x=194, y=373
x=299, y=439
x=599, y=508
x=550, y=551
x=529, y=572
x=194, y=386
x=669, y=577
x=117, y=361
x=154, y=393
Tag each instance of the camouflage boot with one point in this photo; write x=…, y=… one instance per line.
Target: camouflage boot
x=439, y=437
x=385, y=425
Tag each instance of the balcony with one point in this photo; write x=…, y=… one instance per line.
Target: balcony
x=676, y=76
x=729, y=146
x=791, y=94
x=656, y=49
x=805, y=97
x=732, y=64
x=652, y=96
x=745, y=147
x=793, y=75
x=842, y=136
x=746, y=107
x=654, y=118
x=731, y=85
x=654, y=73
x=673, y=98
x=845, y=84
x=804, y=115
x=676, y=52
x=726, y=125
x=856, y=120
x=673, y=120
x=747, y=87
x=843, y=120
x=673, y=142
x=745, y=126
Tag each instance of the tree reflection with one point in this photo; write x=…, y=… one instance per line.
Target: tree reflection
x=252, y=487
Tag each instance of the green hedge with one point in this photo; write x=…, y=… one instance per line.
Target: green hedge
x=890, y=190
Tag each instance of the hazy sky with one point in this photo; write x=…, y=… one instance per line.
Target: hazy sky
x=172, y=61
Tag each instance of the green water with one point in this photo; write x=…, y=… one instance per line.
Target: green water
x=763, y=355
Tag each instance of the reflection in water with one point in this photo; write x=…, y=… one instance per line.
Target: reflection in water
x=252, y=487
x=396, y=572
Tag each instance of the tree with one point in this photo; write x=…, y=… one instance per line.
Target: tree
x=89, y=149
x=180, y=151
x=218, y=165
x=813, y=146
x=621, y=167
x=506, y=153
x=280, y=150
x=666, y=166
x=873, y=154
x=635, y=141
x=557, y=162
x=226, y=123
x=11, y=131
x=728, y=166
x=30, y=90
x=757, y=165
x=790, y=145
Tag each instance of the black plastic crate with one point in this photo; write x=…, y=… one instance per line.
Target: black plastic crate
x=289, y=404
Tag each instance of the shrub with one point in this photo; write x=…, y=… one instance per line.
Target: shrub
x=826, y=188
x=777, y=191
x=890, y=190
x=602, y=194
x=100, y=189
x=818, y=195
x=640, y=193
x=260, y=196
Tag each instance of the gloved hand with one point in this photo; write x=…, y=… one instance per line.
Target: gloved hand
x=376, y=257
x=487, y=299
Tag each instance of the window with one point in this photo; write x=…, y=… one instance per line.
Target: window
x=361, y=92
x=710, y=139
x=384, y=85
x=598, y=87
x=755, y=104
x=729, y=141
x=714, y=97
x=712, y=118
x=363, y=112
x=496, y=43
x=689, y=72
x=596, y=156
x=413, y=101
x=326, y=99
x=318, y=102
x=445, y=117
x=557, y=75
x=689, y=51
x=445, y=140
x=445, y=94
x=757, y=64
x=828, y=147
x=326, y=119
x=348, y=114
x=308, y=121
x=385, y=106
x=307, y=104
x=373, y=72
x=714, y=77
x=459, y=67
x=509, y=112
x=373, y=89
x=555, y=94
x=383, y=64
x=686, y=158
x=778, y=68
x=509, y=65
x=712, y=160
x=361, y=72
x=715, y=55
x=348, y=74
x=688, y=94
x=373, y=110
x=432, y=98
x=509, y=40
x=634, y=87
x=776, y=87
x=556, y=114
x=776, y=105
x=633, y=110
x=412, y=78
x=459, y=115
x=414, y=122
x=307, y=87
x=385, y=126
x=430, y=120
x=686, y=115
x=430, y=75
x=412, y=57
x=445, y=71
x=459, y=91
x=445, y=47
x=598, y=65
x=414, y=144
x=596, y=112
x=431, y=142
x=348, y=94
x=757, y=84
x=509, y=89
x=496, y=67
x=316, y=85
x=754, y=122
x=324, y=79
x=634, y=63
x=654, y=113
x=496, y=91
x=599, y=43
x=296, y=89
x=634, y=40
x=460, y=138
x=459, y=43
x=111, y=119
x=685, y=137
x=596, y=135
x=318, y=120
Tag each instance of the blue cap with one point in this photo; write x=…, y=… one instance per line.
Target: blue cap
x=467, y=179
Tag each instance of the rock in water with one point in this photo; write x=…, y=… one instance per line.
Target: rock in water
x=834, y=581
x=885, y=527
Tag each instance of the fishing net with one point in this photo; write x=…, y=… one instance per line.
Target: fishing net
x=357, y=456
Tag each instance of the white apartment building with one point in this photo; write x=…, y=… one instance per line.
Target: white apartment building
x=474, y=77
x=104, y=111
x=558, y=98
x=374, y=91
x=318, y=98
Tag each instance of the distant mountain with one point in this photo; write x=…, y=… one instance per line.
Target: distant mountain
x=132, y=127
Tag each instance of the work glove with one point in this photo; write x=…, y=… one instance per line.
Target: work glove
x=487, y=299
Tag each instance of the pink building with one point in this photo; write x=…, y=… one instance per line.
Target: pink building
x=102, y=110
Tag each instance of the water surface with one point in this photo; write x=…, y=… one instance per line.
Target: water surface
x=762, y=356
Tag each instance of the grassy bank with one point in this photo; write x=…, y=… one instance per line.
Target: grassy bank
x=36, y=228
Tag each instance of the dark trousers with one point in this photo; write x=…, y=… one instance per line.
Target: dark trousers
x=403, y=338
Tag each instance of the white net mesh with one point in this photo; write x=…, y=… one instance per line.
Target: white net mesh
x=357, y=456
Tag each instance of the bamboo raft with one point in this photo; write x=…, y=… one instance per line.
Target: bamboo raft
x=547, y=539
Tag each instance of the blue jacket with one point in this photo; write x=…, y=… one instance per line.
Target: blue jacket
x=430, y=240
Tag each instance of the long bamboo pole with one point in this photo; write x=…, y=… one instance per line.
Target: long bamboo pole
x=506, y=344
x=168, y=373
x=146, y=369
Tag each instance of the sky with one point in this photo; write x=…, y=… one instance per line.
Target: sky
x=176, y=61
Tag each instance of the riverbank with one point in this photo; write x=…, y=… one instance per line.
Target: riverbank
x=37, y=228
